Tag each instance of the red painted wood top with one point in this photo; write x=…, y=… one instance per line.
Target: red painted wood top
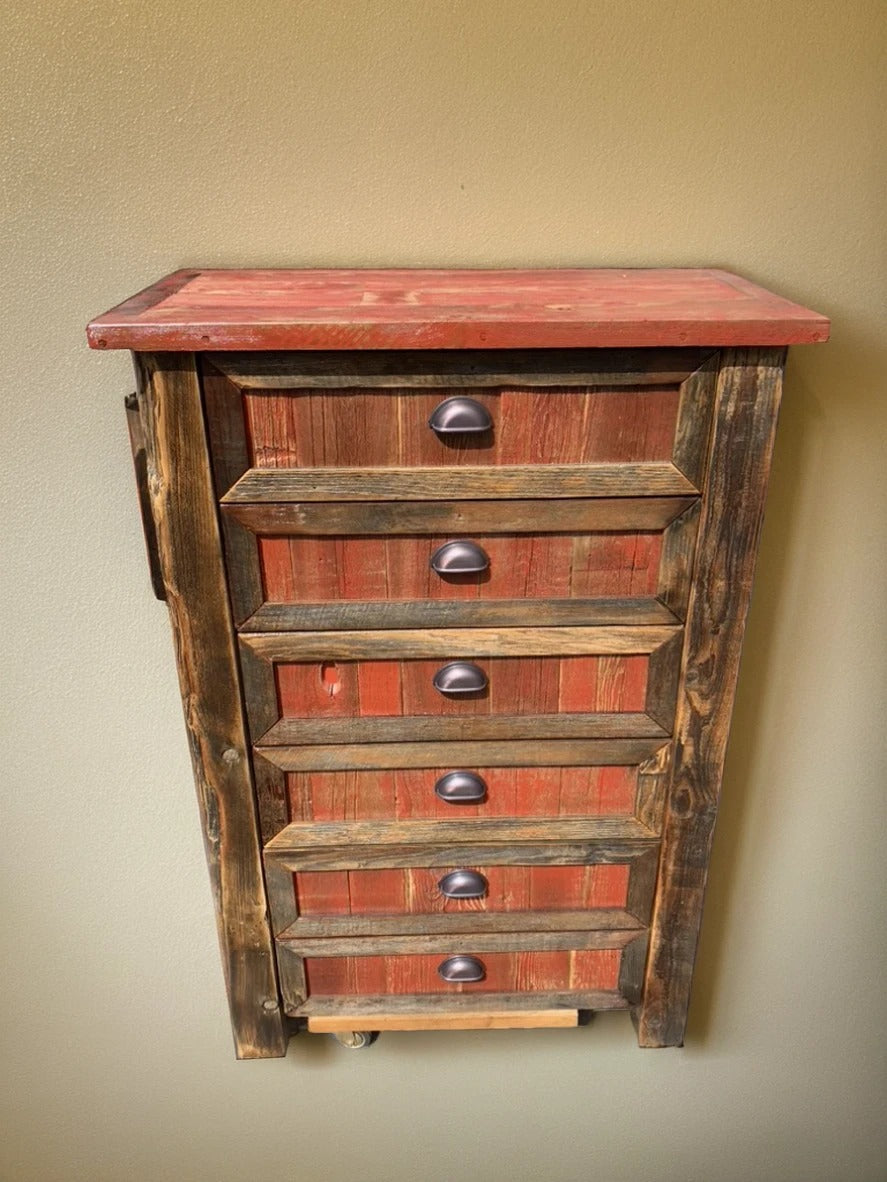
x=423, y=309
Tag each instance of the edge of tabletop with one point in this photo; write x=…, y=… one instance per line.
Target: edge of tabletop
x=772, y=321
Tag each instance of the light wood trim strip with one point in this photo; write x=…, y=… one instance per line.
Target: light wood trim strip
x=411, y=729
x=749, y=388
x=364, y=518
x=183, y=506
x=516, y=753
x=260, y=485
x=488, y=1020
x=300, y=836
x=461, y=369
x=408, y=644
x=598, y=920
x=378, y=615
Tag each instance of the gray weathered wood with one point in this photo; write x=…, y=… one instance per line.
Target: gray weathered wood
x=184, y=511
x=403, y=731
x=509, y=753
x=453, y=642
x=480, y=942
x=360, y=518
x=477, y=613
x=457, y=368
x=302, y=836
x=749, y=386
x=599, y=999
x=656, y=479
x=338, y=926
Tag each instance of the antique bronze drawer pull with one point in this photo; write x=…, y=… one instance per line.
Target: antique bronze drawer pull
x=459, y=969
x=460, y=558
x=463, y=884
x=461, y=788
x=460, y=416
x=460, y=677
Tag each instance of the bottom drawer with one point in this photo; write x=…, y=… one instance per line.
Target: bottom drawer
x=503, y=972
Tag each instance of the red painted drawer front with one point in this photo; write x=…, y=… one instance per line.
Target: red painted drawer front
x=386, y=428
x=401, y=794
x=546, y=566
x=506, y=972
x=416, y=891
x=517, y=685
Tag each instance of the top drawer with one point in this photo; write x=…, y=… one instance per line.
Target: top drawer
x=371, y=411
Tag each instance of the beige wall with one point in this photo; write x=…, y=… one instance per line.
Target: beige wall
x=144, y=137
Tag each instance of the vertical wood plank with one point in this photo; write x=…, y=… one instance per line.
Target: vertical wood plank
x=189, y=543
x=748, y=393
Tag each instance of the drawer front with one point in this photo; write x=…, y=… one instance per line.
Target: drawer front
x=423, y=890
x=514, y=686
x=390, y=428
x=409, y=793
x=503, y=972
x=531, y=567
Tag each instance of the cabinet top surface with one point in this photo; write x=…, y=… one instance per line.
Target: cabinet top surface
x=197, y=310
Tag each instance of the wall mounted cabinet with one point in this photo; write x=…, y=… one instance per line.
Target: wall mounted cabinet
x=458, y=565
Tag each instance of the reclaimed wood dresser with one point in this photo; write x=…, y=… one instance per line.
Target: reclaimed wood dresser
x=458, y=565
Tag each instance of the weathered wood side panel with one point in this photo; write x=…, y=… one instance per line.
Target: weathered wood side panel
x=748, y=393
x=184, y=511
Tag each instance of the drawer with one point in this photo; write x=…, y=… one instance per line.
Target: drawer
x=582, y=561
x=434, y=890
x=411, y=793
x=360, y=687
x=514, y=566
x=502, y=972
x=505, y=685
x=392, y=428
x=581, y=880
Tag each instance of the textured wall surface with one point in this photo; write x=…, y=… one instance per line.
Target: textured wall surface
x=140, y=138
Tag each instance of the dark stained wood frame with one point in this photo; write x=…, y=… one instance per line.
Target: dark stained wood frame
x=189, y=547
x=711, y=544
x=748, y=394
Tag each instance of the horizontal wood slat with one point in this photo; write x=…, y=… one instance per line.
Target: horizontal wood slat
x=406, y=730
x=480, y=942
x=430, y=517
x=608, y=919
x=453, y=643
x=433, y=835
x=491, y=1020
x=605, y=752
x=437, y=368
x=259, y=485
x=503, y=613
x=418, y=1004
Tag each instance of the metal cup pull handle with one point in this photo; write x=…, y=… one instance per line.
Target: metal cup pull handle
x=459, y=969
x=459, y=558
x=459, y=677
x=463, y=884
x=460, y=416
x=461, y=788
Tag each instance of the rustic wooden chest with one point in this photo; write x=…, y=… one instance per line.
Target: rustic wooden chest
x=458, y=565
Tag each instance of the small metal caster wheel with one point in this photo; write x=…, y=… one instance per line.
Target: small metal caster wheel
x=356, y=1040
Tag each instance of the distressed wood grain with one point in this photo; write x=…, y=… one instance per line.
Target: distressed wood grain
x=749, y=388
x=183, y=508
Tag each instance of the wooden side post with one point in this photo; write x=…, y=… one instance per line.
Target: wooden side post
x=184, y=511
x=747, y=402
